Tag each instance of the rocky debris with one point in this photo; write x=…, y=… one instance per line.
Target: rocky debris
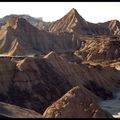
x=12, y=111
x=76, y=103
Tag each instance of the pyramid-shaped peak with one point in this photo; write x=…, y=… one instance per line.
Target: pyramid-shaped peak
x=73, y=13
x=73, y=10
x=71, y=20
x=76, y=103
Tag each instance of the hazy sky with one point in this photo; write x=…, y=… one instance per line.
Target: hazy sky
x=51, y=11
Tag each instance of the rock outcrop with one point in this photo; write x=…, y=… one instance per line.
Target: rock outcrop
x=100, y=48
x=71, y=22
x=76, y=103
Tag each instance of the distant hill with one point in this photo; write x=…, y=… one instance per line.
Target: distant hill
x=37, y=22
x=74, y=22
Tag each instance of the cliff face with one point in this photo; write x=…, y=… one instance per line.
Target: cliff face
x=76, y=103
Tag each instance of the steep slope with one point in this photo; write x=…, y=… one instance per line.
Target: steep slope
x=76, y=103
x=100, y=80
x=14, y=37
x=73, y=22
x=18, y=37
x=111, y=27
x=30, y=82
x=37, y=22
x=35, y=83
x=12, y=111
x=21, y=38
x=102, y=48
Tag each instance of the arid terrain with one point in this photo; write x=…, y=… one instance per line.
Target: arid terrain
x=68, y=68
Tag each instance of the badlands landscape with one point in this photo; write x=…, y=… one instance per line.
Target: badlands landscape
x=68, y=68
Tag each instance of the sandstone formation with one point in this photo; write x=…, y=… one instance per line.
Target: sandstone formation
x=37, y=22
x=100, y=48
x=100, y=80
x=18, y=37
x=76, y=103
x=30, y=82
x=39, y=66
x=35, y=83
x=73, y=22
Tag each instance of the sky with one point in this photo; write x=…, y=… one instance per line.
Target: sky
x=51, y=11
